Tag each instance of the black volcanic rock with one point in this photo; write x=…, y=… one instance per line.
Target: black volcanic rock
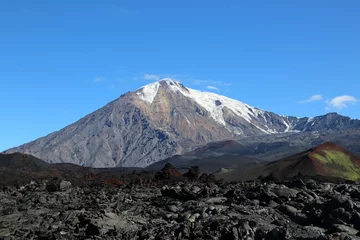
x=291, y=210
x=207, y=178
x=193, y=173
x=92, y=230
x=169, y=172
x=52, y=187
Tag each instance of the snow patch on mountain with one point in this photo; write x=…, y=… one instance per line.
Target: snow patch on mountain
x=208, y=101
x=213, y=103
x=148, y=92
x=287, y=126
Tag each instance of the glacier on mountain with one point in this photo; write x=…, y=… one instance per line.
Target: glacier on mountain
x=212, y=102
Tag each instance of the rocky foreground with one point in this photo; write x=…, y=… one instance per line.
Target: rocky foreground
x=297, y=209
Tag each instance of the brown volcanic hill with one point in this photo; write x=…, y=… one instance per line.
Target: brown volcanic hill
x=22, y=161
x=327, y=159
x=19, y=169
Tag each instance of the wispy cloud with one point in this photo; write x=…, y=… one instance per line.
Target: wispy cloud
x=220, y=83
x=199, y=82
x=313, y=98
x=213, y=83
x=341, y=102
x=151, y=77
x=213, y=88
x=99, y=79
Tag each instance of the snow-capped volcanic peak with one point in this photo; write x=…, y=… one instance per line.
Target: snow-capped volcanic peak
x=213, y=103
x=165, y=120
x=149, y=92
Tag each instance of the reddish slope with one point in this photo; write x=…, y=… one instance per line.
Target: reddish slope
x=332, y=160
x=328, y=160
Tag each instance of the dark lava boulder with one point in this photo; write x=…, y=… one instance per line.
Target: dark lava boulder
x=53, y=185
x=168, y=172
x=193, y=173
x=207, y=178
x=113, y=182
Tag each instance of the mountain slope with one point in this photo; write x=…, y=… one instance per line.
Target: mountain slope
x=212, y=156
x=248, y=151
x=19, y=161
x=327, y=159
x=160, y=120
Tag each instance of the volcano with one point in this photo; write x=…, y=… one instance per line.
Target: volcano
x=163, y=119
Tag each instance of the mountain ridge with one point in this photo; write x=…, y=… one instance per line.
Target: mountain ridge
x=163, y=119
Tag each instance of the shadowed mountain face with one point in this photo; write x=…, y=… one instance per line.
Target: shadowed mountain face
x=252, y=150
x=22, y=161
x=161, y=120
x=18, y=168
x=277, y=146
x=329, y=160
x=213, y=156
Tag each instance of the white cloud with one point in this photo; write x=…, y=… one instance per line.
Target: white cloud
x=313, y=98
x=342, y=101
x=99, y=79
x=151, y=77
x=199, y=82
x=213, y=83
x=213, y=88
x=220, y=83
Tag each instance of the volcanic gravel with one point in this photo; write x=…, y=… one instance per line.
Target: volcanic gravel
x=298, y=209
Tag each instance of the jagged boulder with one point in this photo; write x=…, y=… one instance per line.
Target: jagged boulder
x=168, y=172
x=64, y=185
x=193, y=173
x=207, y=178
x=53, y=185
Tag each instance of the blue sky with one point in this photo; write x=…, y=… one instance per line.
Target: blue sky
x=60, y=60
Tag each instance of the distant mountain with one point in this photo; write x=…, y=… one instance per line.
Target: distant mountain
x=212, y=156
x=277, y=146
x=327, y=159
x=19, y=169
x=22, y=161
x=163, y=119
x=248, y=151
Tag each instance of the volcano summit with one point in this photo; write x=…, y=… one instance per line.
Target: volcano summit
x=163, y=119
